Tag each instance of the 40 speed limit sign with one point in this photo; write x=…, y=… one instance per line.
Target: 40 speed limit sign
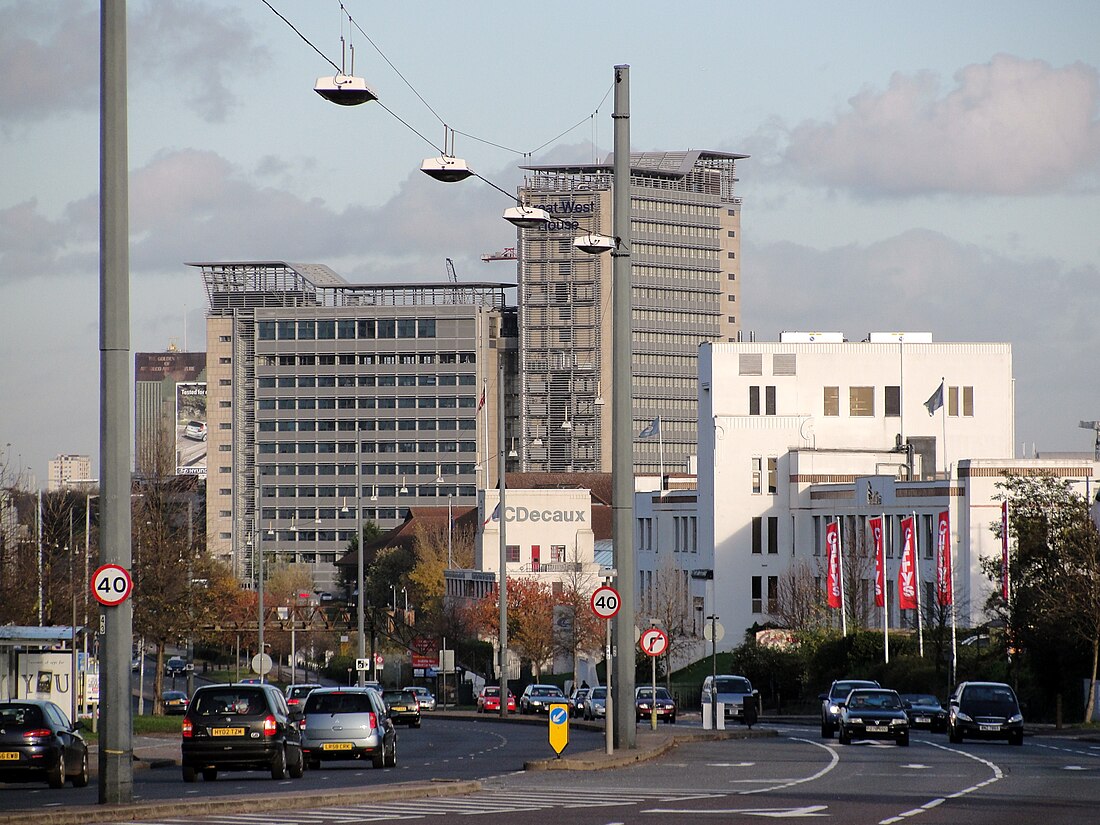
x=605, y=602
x=111, y=585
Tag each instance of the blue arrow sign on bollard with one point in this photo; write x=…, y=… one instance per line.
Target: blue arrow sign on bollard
x=559, y=727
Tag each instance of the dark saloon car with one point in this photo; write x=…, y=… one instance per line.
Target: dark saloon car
x=830, y=702
x=37, y=742
x=644, y=704
x=984, y=710
x=925, y=711
x=576, y=701
x=174, y=702
x=873, y=714
x=539, y=698
x=240, y=727
x=348, y=723
x=402, y=706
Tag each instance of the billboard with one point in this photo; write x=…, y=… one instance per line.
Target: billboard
x=190, y=423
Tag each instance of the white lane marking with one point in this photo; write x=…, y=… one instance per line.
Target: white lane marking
x=772, y=813
x=1074, y=751
x=917, y=766
x=998, y=774
x=730, y=764
x=833, y=761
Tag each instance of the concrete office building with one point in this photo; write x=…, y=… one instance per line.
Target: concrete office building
x=65, y=471
x=157, y=376
x=685, y=255
x=327, y=397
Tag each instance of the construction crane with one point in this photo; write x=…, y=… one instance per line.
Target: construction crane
x=1093, y=425
x=506, y=254
x=451, y=276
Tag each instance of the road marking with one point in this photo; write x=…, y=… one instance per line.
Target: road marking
x=834, y=760
x=998, y=774
x=730, y=764
x=772, y=813
x=917, y=766
x=1074, y=751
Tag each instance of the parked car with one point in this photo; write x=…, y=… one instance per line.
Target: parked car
x=347, y=723
x=595, y=704
x=37, y=742
x=240, y=727
x=174, y=702
x=195, y=430
x=177, y=666
x=732, y=692
x=576, y=701
x=423, y=697
x=984, y=710
x=296, y=694
x=925, y=711
x=402, y=707
x=644, y=703
x=873, y=713
x=538, y=698
x=488, y=701
x=830, y=702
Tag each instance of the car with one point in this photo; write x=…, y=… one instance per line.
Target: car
x=37, y=742
x=177, y=666
x=135, y=663
x=251, y=680
x=402, y=706
x=595, y=703
x=576, y=701
x=830, y=702
x=984, y=710
x=174, y=702
x=538, y=698
x=644, y=703
x=925, y=711
x=241, y=727
x=347, y=723
x=423, y=696
x=296, y=694
x=732, y=691
x=873, y=713
x=195, y=430
x=488, y=701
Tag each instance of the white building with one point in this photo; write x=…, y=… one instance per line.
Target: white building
x=67, y=471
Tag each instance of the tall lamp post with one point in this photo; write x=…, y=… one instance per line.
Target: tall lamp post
x=360, y=617
x=503, y=589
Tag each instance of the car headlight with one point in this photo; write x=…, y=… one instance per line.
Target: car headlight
x=899, y=721
x=854, y=720
x=962, y=717
x=833, y=709
x=1016, y=717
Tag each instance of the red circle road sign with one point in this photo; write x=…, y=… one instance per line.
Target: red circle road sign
x=654, y=642
x=605, y=602
x=112, y=585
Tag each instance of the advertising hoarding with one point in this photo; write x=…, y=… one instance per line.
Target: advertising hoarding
x=191, y=428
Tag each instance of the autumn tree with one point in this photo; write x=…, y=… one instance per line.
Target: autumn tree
x=530, y=620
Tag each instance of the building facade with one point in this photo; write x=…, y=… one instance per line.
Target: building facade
x=685, y=270
x=67, y=470
x=331, y=403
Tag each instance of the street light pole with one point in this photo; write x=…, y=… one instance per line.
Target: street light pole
x=360, y=620
x=503, y=588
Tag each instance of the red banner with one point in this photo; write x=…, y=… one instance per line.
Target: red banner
x=907, y=574
x=832, y=580
x=880, y=560
x=945, y=588
x=1004, y=550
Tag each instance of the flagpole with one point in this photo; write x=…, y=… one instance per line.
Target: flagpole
x=885, y=592
x=485, y=428
x=951, y=584
x=840, y=573
x=943, y=431
x=917, y=584
x=661, y=451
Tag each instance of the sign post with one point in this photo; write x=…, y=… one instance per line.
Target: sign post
x=605, y=604
x=559, y=727
x=654, y=642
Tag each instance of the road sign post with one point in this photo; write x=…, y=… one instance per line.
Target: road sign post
x=558, y=716
x=653, y=642
x=605, y=604
x=112, y=585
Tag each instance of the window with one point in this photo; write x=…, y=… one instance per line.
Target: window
x=757, y=469
x=861, y=401
x=406, y=328
x=832, y=401
x=345, y=329
x=773, y=536
x=326, y=330
x=225, y=360
x=968, y=401
x=307, y=330
x=773, y=594
x=953, y=401
x=425, y=328
x=754, y=400
x=512, y=553
x=769, y=400
x=285, y=330
x=773, y=475
x=757, y=589
x=892, y=402
x=750, y=363
x=757, y=528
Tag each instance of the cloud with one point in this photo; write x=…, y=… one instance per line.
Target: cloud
x=1007, y=127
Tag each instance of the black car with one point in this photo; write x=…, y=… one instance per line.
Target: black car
x=403, y=706
x=873, y=714
x=177, y=666
x=984, y=710
x=240, y=727
x=925, y=711
x=37, y=741
x=830, y=702
x=174, y=702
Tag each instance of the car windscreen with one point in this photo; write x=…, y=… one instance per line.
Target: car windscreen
x=229, y=701
x=338, y=703
x=921, y=699
x=546, y=692
x=731, y=684
x=646, y=693
x=21, y=716
x=994, y=701
x=598, y=693
x=867, y=700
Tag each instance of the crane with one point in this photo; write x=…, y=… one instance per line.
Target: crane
x=1093, y=425
x=506, y=254
x=451, y=276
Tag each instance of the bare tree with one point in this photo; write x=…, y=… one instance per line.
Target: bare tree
x=801, y=603
x=670, y=606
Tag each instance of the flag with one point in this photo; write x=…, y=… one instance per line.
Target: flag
x=1004, y=551
x=945, y=589
x=494, y=516
x=907, y=575
x=880, y=561
x=652, y=429
x=480, y=403
x=935, y=400
x=835, y=596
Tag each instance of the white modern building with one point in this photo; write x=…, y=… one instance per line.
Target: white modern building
x=68, y=470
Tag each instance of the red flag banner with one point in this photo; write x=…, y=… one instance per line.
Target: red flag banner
x=945, y=589
x=907, y=575
x=832, y=577
x=880, y=561
x=1004, y=550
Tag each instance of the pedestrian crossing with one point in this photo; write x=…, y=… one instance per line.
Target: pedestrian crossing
x=482, y=802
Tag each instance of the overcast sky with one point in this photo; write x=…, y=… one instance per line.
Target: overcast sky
x=923, y=166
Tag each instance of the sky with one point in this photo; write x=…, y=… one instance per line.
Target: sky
x=924, y=166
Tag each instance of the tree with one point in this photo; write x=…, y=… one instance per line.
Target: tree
x=801, y=605
x=435, y=546
x=530, y=620
x=671, y=607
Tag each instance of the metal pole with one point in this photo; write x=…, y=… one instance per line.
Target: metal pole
x=116, y=752
x=714, y=670
x=622, y=425
x=259, y=584
x=608, y=706
x=653, y=685
x=360, y=616
x=87, y=549
x=503, y=588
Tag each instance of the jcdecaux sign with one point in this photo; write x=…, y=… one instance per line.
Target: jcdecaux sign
x=522, y=514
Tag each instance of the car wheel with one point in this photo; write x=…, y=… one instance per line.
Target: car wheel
x=378, y=758
x=1016, y=738
x=80, y=780
x=954, y=736
x=392, y=761
x=55, y=776
x=209, y=774
x=845, y=737
x=278, y=765
x=903, y=740
x=298, y=767
x=189, y=774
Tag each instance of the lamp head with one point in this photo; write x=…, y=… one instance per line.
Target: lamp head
x=526, y=217
x=344, y=90
x=594, y=244
x=446, y=169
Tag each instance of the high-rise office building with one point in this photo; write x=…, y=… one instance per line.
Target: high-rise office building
x=329, y=402
x=685, y=250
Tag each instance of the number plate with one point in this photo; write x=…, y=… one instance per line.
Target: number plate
x=923, y=720
x=399, y=708
x=989, y=728
x=877, y=729
x=227, y=731
x=9, y=756
x=336, y=746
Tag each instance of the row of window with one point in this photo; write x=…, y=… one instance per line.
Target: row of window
x=862, y=595
x=310, y=447
x=861, y=401
x=268, y=382
x=371, y=402
x=328, y=425
x=349, y=359
x=685, y=531
x=372, y=493
x=369, y=469
x=332, y=329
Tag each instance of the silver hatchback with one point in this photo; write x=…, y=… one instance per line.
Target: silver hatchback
x=347, y=723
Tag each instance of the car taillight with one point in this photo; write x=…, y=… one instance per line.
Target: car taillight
x=186, y=728
x=270, y=726
x=38, y=733
x=302, y=723
x=372, y=720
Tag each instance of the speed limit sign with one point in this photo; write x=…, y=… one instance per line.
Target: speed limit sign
x=605, y=602
x=111, y=585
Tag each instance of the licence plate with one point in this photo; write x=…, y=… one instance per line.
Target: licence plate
x=227, y=731
x=877, y=729
x=336, y=746
x=923, y=720
x=9, y=756
x=399, y=708
x=989, y=728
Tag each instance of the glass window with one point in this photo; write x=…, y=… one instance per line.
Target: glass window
x=326, y=330
x=968, y=401
x=286, y=330
x=832, y=401
x=386, y=328
x=425, y=328
x=754, y=400
x=757, y=529
x=366, y=329
x=406, y=328
x=773, y=534
x=953, y=401
x=345, y=328
x=307, y=330
x=891, y=401
x=773, y=475
x=265, y=331
x=757, y=473
x=769, y=400
x=861, y=401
